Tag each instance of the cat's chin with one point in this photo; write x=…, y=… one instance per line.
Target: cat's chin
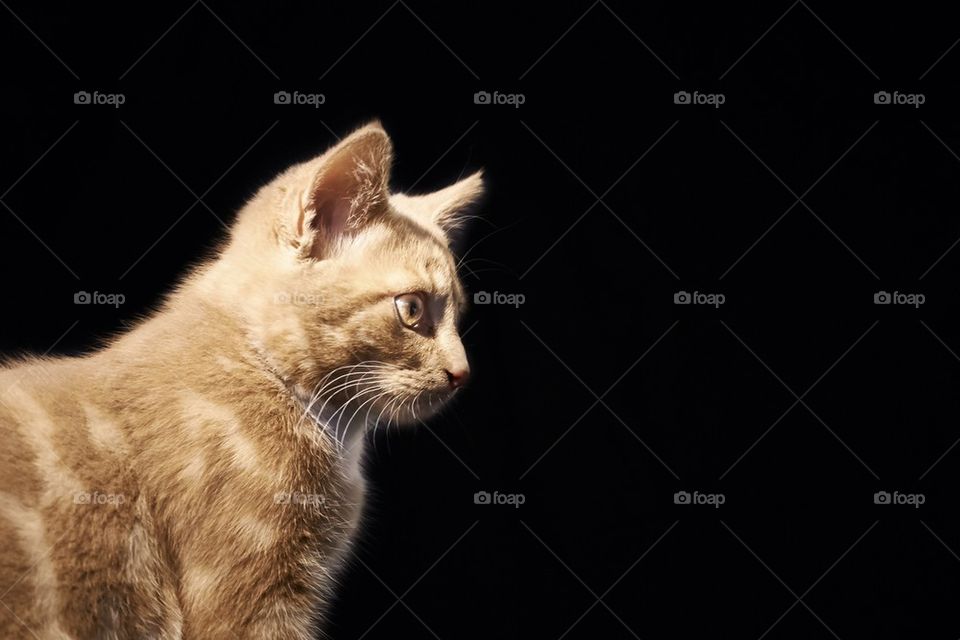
x=416, y=410
x=407, y=410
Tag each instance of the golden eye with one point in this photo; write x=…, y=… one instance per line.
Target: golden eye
x=410, y=308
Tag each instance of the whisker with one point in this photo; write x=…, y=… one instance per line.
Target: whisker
x=492, y=233
x=341, y=410
x=364, y=376
x=366, y=402
x=334, y=387
x=369, y=401
x=413, y=405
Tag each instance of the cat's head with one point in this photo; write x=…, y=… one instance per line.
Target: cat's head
x=352, y=294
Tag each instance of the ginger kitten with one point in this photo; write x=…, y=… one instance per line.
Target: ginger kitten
x=199, y=478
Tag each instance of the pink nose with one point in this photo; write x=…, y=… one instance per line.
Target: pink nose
x=458, y=378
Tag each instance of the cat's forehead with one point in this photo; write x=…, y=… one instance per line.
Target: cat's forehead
x=408, y=241
x=412, y=257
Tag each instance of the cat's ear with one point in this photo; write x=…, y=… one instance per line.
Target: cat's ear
x=449, y=208
x=342, y=190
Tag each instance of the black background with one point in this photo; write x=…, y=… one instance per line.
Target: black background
x=605, y=198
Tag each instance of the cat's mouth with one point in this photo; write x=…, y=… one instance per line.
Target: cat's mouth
x=427, y=404
x=373, y=393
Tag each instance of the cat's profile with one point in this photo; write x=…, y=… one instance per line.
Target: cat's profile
x=198, y=478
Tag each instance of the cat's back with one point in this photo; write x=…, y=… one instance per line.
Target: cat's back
x=36, y=399
x=39, y=399
x=20, y=519
x=65, y=493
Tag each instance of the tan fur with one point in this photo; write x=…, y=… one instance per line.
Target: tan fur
x=197, y=479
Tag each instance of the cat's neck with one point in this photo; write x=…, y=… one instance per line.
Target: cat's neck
x=197, y=345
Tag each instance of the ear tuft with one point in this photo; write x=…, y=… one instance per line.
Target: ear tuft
x=453, y=204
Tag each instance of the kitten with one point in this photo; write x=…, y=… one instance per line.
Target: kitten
x=199, y=478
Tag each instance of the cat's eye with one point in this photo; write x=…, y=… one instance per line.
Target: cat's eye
x=411, y=309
